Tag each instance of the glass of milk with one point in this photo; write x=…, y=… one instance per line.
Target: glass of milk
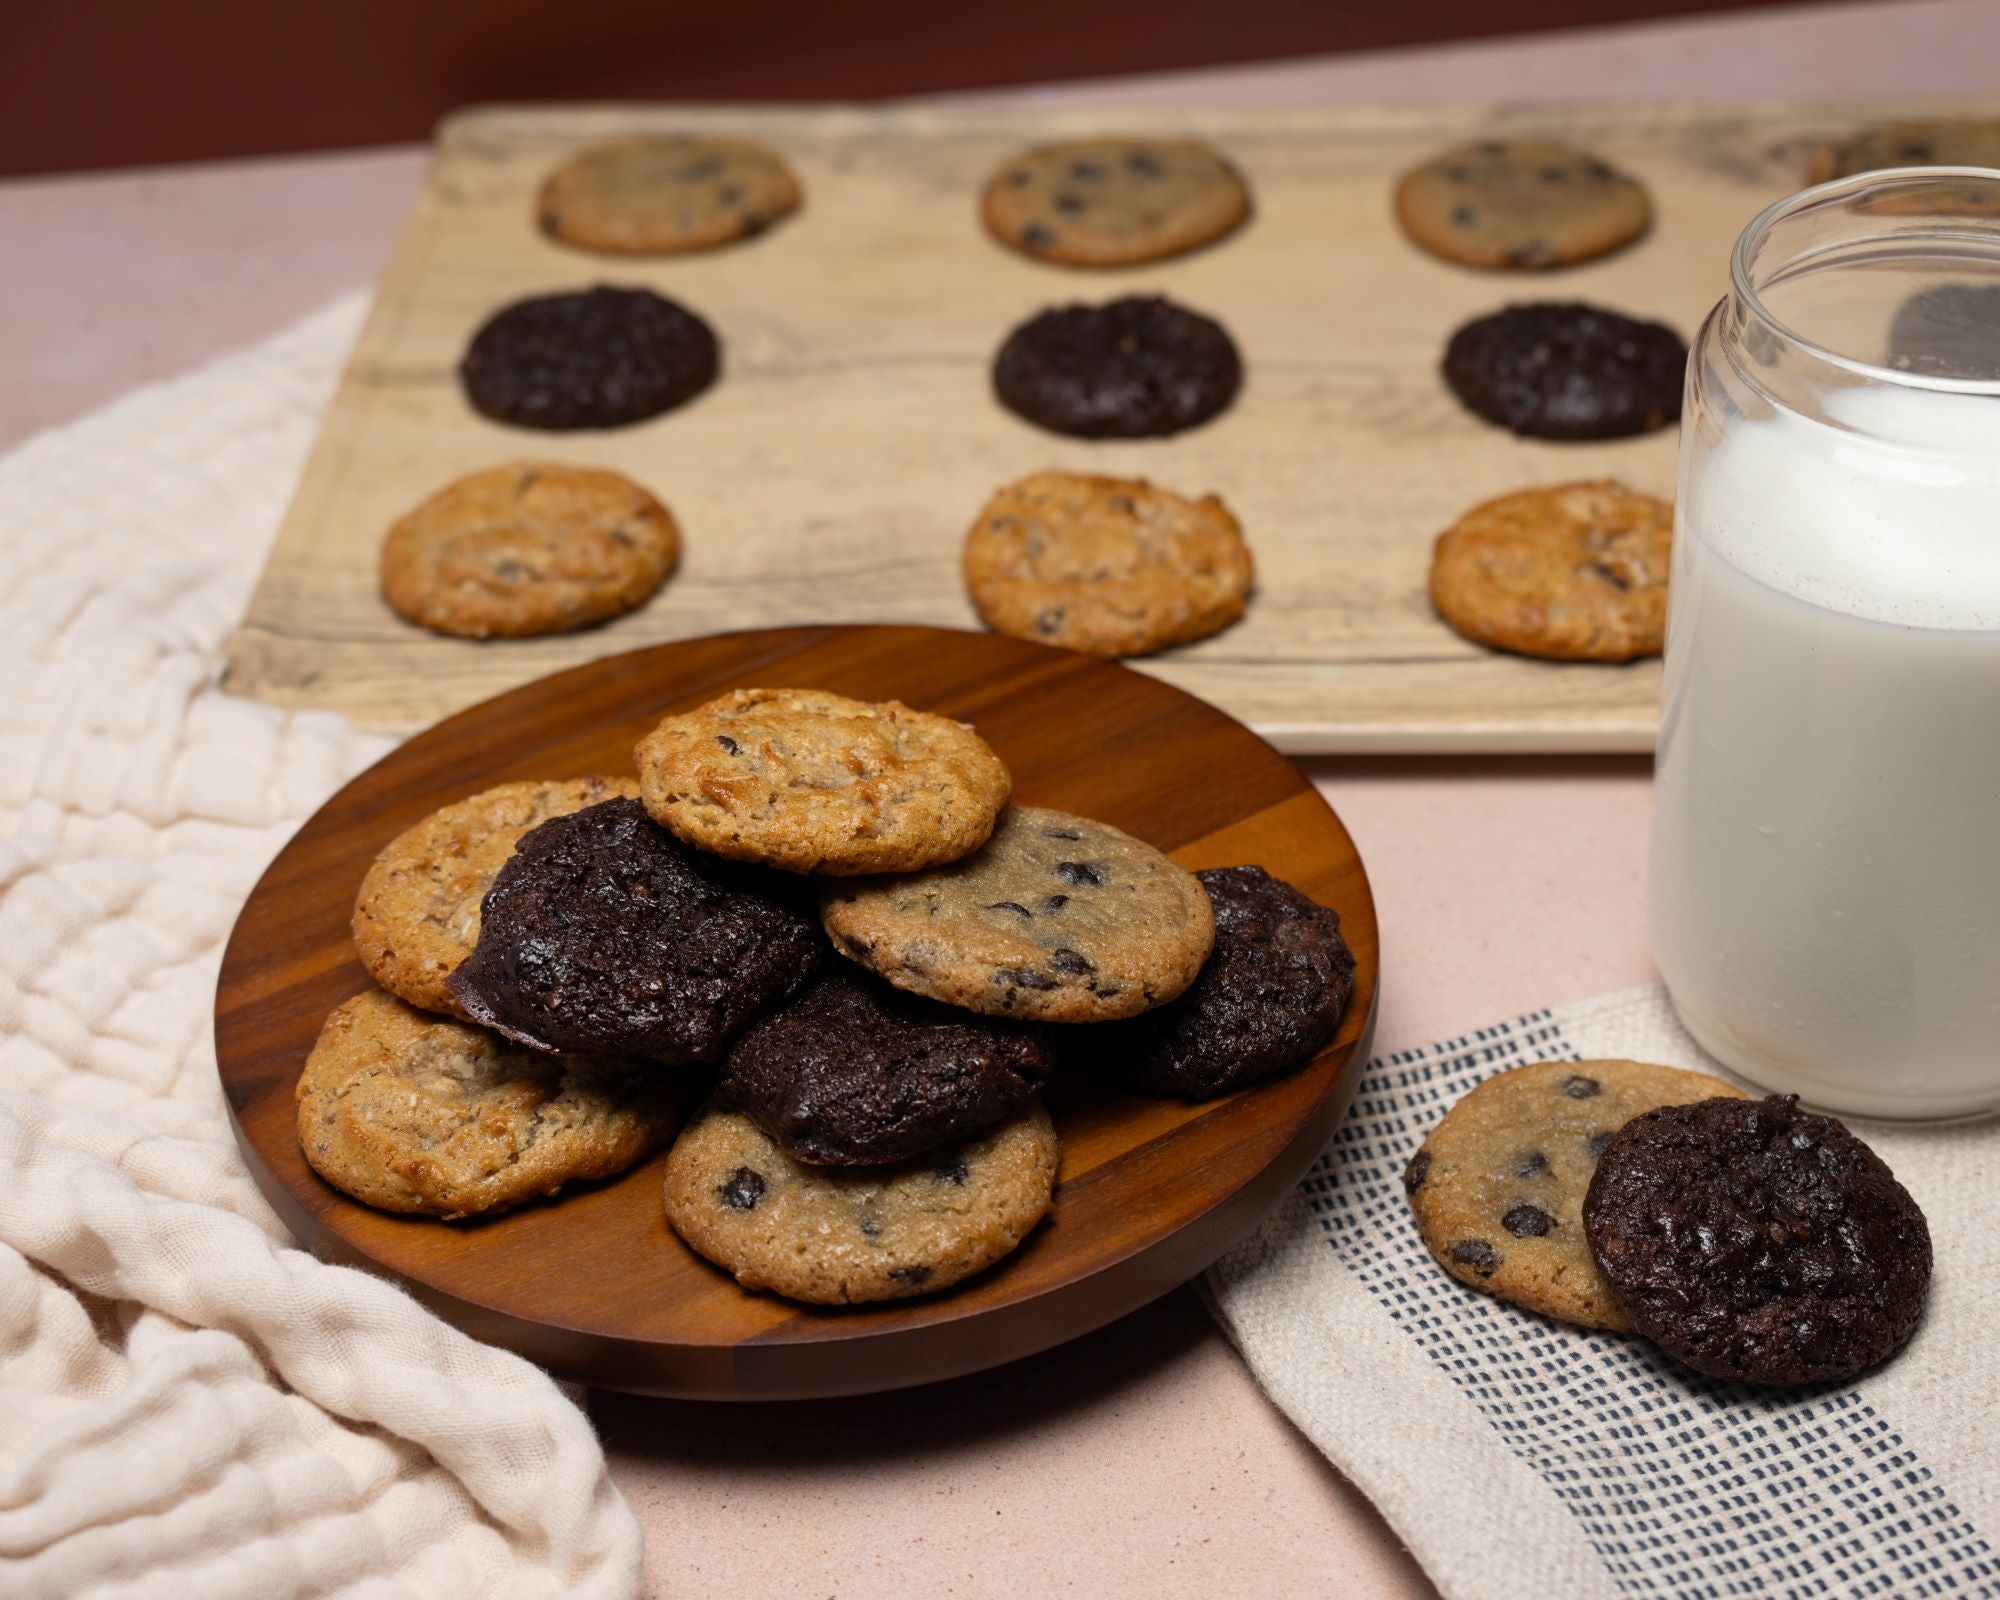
x=1826, y=834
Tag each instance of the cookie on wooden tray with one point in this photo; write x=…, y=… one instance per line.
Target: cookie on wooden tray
x=1056, y=919
x=1272, y=991
x=604, y=932
x=1114, y=202
x=1520, y=204
x=1577, y=572
x=1755, y=1241
x=839, y=1236
x=528, y=549
x=661, y=194
x=1567, y=371
x=854, y=1072
x=592, y=358
x=417, y=916
x=1107, y=566
x=1498, y=1187
x=415, y=1113
x=1137, y=368
x=1922, y=142
x=808, y=781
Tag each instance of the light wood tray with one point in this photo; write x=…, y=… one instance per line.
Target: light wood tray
x=831, y=474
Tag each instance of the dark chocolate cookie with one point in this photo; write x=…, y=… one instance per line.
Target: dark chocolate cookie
x=1135, y=368
x=604, y=932
x=856, y=1073
x=1271, y=993
x=1568, y=371
x=595, y=358
x=1753, y=1240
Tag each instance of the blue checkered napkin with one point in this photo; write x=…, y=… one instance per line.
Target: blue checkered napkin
x=1520, y=1457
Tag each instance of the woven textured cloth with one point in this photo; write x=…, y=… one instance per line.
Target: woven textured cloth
x=1521, y=1458
x=190, y=1405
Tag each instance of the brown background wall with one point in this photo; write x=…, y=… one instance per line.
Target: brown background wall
x=91, y=83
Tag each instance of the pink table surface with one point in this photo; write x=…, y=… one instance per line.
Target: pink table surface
x=1140, y=1460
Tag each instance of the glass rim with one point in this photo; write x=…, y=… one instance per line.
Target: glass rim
x=1760, y=226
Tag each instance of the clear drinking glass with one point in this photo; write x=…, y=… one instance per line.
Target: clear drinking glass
x=1826, y=833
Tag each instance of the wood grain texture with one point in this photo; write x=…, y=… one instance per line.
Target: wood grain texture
x=832, y=474
x=595, y=1286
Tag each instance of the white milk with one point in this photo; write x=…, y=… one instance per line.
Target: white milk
x=1826, y=854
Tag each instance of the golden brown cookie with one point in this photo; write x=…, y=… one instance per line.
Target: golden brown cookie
x=528, y=549
x=415, y=1113
x=815, y=782
x=1114, y=202
x=1108, y=566
x=835, y=1236
x=663, y=194
x=1573, y=573
x=1930, y=142
x=1058, y=919
x=1520, y=204
x=417, y=916
x=1498, y=1186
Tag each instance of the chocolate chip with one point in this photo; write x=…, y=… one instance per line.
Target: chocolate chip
x=1596, y=1143
x=695, y=171
x=1087, y=171
x=1022, y=978
x=1415, y=1173
x=1071, y=962
x=909, y=1275
x=1464, y=216
x=1077, y=874
x=1610, y=575
x=870, y=1228
x=1053, y=904
x=729, y=745
x=1492, y=147
x=741, y=1190
x=1578, y=1087
x=1535, y=253
x=1050, y=621
x=1037, y=236
x=1014, y=906
x=1069, y=204
x=1529, y=1163
x=1060, y=833
x=1138, y=162
x=953, y=1173
x=1915, y=150
x=1525, y=1221
x=1019, y=179
x=1476, y=1254
x=1458, y=174
x=1555, y=175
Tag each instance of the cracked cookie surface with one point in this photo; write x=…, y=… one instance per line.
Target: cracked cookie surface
x=528, y=549
x=1107, y=566
x=415, y=1113
x=1056, y=919
x=842, y=1236
x=808, y=781
x=663, y=194
x=1113, y=202
x=1573, y=573
x=1498, y=1185
x=417, y=915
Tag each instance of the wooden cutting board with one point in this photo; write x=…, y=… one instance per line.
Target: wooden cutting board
x=830, y=476
x=594, y=1285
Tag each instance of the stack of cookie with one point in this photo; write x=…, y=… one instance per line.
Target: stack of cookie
x=821, y=918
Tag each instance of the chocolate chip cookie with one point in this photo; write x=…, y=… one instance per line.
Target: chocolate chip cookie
x=1108, y=566
x=854, y=1072
x=1114, y=202
x=595, y=358
x=414, y=1113
x=528, y=549
x=1270, y=994
x=417, y=916
x=1137, y=368
x=605, y=932
x=838, y=1236
x=1056, y=919
x=1520, y=203
x=1567, y=371
x=1573, y=573
x=1498, y=1187
x=665, y=193
x=809, y=781
x=1927, y=142
x=1752, y=1240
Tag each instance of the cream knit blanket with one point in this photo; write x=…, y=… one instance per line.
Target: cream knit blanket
x=190, y=1406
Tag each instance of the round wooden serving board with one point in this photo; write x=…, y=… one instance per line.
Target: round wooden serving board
x=594, y=1286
